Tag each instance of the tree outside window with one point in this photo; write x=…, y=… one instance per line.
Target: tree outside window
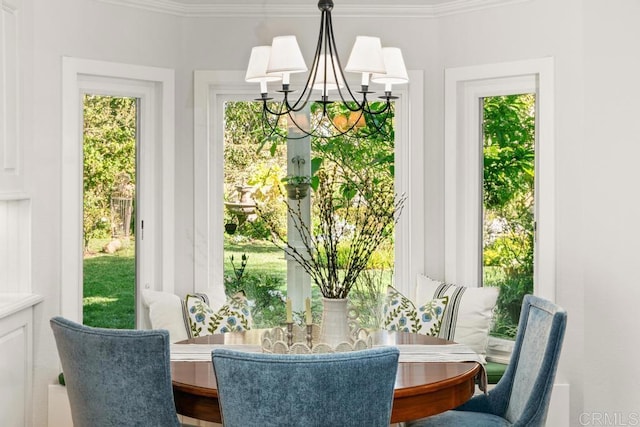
x=508, y=204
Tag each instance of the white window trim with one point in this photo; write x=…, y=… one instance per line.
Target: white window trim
x=155, y=85
x=208, y=170
x=463, y=88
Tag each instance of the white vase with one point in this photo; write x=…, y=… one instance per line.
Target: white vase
x=334, y=328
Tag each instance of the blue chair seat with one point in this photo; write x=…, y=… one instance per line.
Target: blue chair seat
x=463, y=419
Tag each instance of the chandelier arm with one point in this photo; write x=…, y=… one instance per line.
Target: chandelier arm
x=351, y=127
x=326, y=19
x=305, y=133
x=313, y=74
x=272, y=129
x=266, y=109
x=385, y=109
x=298, y=105
x=314, y=132
x=332, y=49
x=379, y=128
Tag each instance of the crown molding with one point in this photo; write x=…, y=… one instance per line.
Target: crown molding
x=8, y=7
x=258, y=9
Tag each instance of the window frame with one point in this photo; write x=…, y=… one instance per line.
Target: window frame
x=155, y=88
x=212, y=86
x=464, y=87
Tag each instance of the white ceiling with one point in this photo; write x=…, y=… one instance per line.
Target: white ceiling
x=306, y=8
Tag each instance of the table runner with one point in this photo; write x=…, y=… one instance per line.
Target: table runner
x=202, y=352
x=444, y=353
x=408, y=352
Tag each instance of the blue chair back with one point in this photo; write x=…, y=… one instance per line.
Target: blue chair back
x=331, y=389
x=528, y=381
x=116, y=377
x=521, y=397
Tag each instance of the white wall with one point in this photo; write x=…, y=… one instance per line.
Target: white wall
x=611, y=206
x=597, y=146
x=533, y=29
x=85, y=29
x=594, y=44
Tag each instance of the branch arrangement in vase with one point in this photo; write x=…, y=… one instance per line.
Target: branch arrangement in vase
x=351, y=226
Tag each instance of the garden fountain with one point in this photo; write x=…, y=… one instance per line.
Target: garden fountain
x=244, y=208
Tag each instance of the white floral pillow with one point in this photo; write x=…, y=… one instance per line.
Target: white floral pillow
x=201, y=319
x=400, y=314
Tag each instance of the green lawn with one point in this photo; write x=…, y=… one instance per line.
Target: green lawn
x=109, y=284
x=109, y=280
x=263, y=258
x=109, y=287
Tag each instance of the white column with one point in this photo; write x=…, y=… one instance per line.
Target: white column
x=298, y=163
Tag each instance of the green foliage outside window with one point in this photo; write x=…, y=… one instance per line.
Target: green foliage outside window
x=508, y=200
x=261, y=162
x=109, y=149
x=247, y=163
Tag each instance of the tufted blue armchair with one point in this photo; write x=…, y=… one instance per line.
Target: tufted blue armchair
x=331, y=389
x=116, y=377
x=521, y=397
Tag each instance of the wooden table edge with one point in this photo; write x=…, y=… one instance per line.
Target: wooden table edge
x=443, y=395
x=193, y=400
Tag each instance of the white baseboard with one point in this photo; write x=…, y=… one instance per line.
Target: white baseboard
x=558, y=415
x=59, y=411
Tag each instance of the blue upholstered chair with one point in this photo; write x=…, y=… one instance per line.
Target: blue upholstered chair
x=521, y=397
x=116, y=377
x=331, y=389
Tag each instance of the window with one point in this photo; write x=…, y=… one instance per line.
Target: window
x=261, y=179
x=154, y=88
x=253, y=206
x=110, y=142
x=212, y=90
x=466, y=90
x=508, y=203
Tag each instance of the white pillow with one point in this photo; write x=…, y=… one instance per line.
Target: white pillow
x=468, y=314
x=165, y=312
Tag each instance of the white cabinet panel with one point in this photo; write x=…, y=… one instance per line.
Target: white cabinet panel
x=15, y=245
x=15, y=360
x=10, y=148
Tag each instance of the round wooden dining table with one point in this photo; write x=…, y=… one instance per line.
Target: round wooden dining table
x=421, y=388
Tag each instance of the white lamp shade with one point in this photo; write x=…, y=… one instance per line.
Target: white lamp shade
x=366, y=56
x=396, y=70
x=330, y=78
x=257, y=69
x=286, y=56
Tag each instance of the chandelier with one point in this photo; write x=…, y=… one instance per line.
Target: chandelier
x=346, y=115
